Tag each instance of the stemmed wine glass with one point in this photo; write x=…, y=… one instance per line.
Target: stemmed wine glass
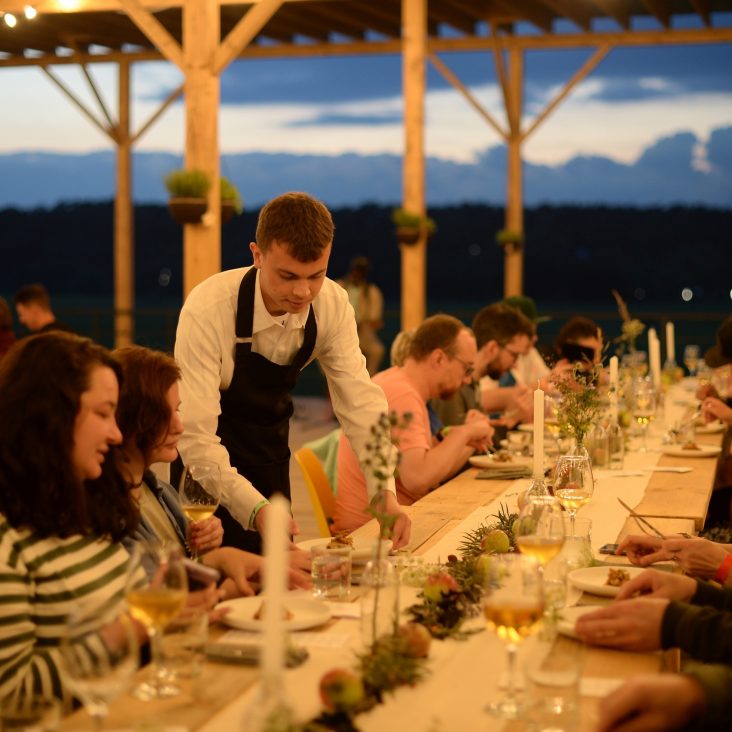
x=573, y=483
x=539, y=531
x=644, y=407
x=691, y=358
x=98, y=659
x=155, y=605
x=513, y=605
x=198, y=491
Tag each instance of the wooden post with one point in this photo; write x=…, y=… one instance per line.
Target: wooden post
x=414, y=49
x=514, y=256
x=202, y=242
x=124, y=245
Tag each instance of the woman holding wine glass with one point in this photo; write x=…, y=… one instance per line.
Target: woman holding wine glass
x=61, y=520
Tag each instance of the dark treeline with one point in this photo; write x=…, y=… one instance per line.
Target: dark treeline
x=572, y=252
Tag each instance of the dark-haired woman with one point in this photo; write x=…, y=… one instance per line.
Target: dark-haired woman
x=7, y=336
x=60, y=521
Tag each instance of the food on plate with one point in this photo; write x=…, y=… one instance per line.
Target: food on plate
x=286, y=614
x=502, y=457
x=340, y=540
x=617, y=577
x=690, y=446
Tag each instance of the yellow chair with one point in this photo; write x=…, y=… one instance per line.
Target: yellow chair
x=319, y=490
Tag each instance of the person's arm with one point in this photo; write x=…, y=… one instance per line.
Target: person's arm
x=703, y=632
x=199, y=352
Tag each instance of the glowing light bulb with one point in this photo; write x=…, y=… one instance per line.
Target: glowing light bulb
x=30, y=12
x=10, y=20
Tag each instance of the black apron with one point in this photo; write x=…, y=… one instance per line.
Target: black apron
x=254, y=424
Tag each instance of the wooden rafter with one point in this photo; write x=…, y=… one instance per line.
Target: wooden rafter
x=452, y=16
x=617, y=11
x=702, y=9
x=377, y=18
x=343, y=23
x=578, y=13
x=155, y=31
x=533, y=11
x=660, y=11
x=304, y=24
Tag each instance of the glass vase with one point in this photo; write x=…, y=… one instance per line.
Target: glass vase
x=379, y=600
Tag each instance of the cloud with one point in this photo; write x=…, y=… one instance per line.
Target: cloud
x=337, y=120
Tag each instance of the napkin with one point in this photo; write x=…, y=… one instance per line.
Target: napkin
x=507, y=473
x=668, y=469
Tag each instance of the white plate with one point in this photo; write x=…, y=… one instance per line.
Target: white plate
x=593, y=579
x=488, y=462
x=703, y=451
x=712, y=428
x=529, y=427
x=363, y=549
x=568, y=616
x=306, y=613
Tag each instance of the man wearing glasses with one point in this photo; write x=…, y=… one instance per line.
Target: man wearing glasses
x=440, y=360
x=502, y=334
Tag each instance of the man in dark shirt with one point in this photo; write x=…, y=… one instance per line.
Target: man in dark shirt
x=33, y=306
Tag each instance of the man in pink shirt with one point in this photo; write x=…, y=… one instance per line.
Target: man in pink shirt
x=440, y=360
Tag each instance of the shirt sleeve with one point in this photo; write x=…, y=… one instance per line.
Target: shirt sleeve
x=198, y=351
x=704, y=632
x=357, y=401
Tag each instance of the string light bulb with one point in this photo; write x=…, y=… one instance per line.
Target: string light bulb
x=30, y=12
x=10, y=20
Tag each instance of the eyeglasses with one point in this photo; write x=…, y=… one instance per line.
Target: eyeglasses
x=514, y=356
x=469, y=368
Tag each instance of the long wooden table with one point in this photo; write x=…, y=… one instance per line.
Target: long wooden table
x=674, y=502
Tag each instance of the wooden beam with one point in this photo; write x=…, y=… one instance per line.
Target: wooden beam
x=377, y=19
x=451, y=15
x=154, y=30
x=304, y=25
x=615, y=10
x=659, y=10
x=97, y=94
x=576, y=12
x=702, y=9
x=513, y=263
x=469, y=96
x=343, y=22
x=243, y=33
x=581, y=74
x=110, y=133
x=156, y=115
x=532, y=11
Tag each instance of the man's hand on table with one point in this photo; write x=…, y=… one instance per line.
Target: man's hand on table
x=653, y=583
x=402, y=525
x=652, y=703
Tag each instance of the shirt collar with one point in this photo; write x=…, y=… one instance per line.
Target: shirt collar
x=263, y=319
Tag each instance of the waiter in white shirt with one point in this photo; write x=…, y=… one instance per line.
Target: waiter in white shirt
x=243, y=337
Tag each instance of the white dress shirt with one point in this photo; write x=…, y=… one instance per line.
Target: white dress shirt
x=204, y=350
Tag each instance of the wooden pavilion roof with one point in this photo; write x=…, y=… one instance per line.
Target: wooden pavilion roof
x=101, y=30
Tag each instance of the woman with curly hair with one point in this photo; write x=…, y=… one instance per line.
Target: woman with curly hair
x=61, y=521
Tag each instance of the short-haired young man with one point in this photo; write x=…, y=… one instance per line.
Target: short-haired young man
x=440, y=360
x=243, y=337
x=33, y=305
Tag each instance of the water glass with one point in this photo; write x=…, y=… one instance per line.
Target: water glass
x=553, y=669
x=30, y=715
x=183, y=645
x=577, y=549
x=331, y=572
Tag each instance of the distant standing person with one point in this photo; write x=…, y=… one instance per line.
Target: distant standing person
x=368, y=304
x=33, y=305
x=7, y=337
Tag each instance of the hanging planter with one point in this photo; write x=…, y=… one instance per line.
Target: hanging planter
x=410, y=226
x=231, y=202
x=187, y=210
x=188, y=190
x=511, y=241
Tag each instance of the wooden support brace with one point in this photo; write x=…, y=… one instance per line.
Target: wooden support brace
x=155, y=31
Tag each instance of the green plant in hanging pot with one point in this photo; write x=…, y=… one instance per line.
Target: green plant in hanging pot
x=510, y=240
x=410, y=226
x=231, y=202
x=188, y=190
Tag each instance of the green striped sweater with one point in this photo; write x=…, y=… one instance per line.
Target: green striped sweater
x=42, y=580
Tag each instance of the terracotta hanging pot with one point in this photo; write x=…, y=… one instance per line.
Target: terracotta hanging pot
x=187, y=210
x=408, y=235
x=228, y=209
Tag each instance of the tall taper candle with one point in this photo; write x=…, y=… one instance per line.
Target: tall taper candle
x=275, y=585
x=655, y=357
x=539, y=434
x=614, y=388
x=670, y=342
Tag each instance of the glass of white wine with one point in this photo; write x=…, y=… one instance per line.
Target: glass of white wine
x=199, y=493
x=99, y=656
x=539, y=531
x=644, y=408
x=573, y=483
x=155, y=605
x=513, y=605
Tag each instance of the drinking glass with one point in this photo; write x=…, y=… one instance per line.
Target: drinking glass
x=644, y=408
x=573, y=483
x=198, y=491
x=539, y=531
x=98, y=659
x=331, y=572
x=513, y=605
x=155, y=605
x=691, y=359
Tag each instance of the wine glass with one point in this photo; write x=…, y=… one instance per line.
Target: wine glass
x=539, y=531
x=573, y=483
x=98, y=659
x=644, y=408
x=513, y=605
x=552, y=403
x=155, y=605
x=691, y=359
x=198, y=492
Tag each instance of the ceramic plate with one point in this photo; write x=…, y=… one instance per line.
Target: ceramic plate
x=306, y=613
x=703, y=451
x=712, y=428
x=488, y=462
x=363, y=549
x=568, y=616
x=525, y=427
x=593, y=579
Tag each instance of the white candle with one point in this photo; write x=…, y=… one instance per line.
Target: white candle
x=652, y=335
x=655, y=357
x=670, y=342
x=614, y=388
x=275, y=585
x=539, y=434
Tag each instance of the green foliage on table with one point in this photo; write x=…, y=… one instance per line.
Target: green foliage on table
x=388, y=665
x=472, y=543
x=580, y=405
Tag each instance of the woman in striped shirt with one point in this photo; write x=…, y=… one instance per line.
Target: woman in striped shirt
x=61, y=521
